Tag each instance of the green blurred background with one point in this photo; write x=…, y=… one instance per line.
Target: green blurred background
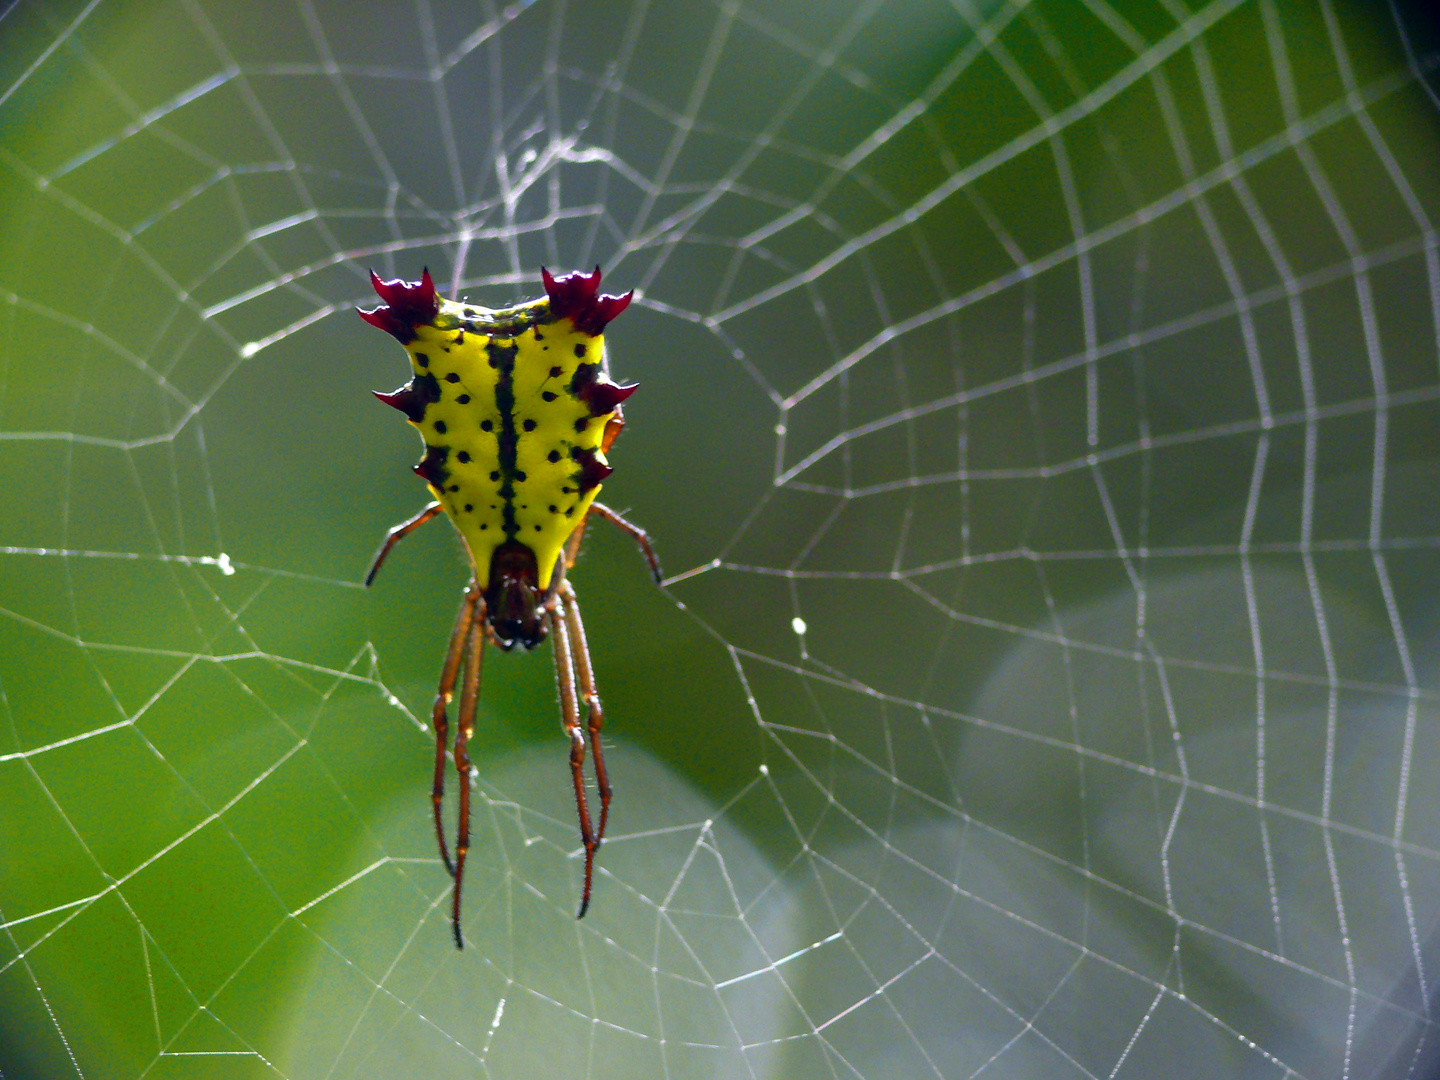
x=1038, y=426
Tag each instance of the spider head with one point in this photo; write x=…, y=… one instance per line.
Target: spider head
x=514, y=602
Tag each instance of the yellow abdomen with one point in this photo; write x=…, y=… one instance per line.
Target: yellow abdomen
x=512, y=405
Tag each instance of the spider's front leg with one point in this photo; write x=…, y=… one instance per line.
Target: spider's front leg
x=564, y=619
x=594, y=711
x=473, y=650
x=439, y=721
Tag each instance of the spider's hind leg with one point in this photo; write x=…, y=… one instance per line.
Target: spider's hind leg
x=630, y=529
x=398, y=533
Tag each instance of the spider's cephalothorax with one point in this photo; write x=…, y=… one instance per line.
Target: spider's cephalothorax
x=517, y=412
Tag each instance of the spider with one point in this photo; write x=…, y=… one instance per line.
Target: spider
x=517, y=412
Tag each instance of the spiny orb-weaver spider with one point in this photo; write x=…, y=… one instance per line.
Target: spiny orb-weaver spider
x=517, y=412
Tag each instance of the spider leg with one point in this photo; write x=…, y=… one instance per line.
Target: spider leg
x=570, y=717
x=464, y=728
x=464, y=620
x=572, y=546
x=639, y=535
x=398, y=533
x=594, y=711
